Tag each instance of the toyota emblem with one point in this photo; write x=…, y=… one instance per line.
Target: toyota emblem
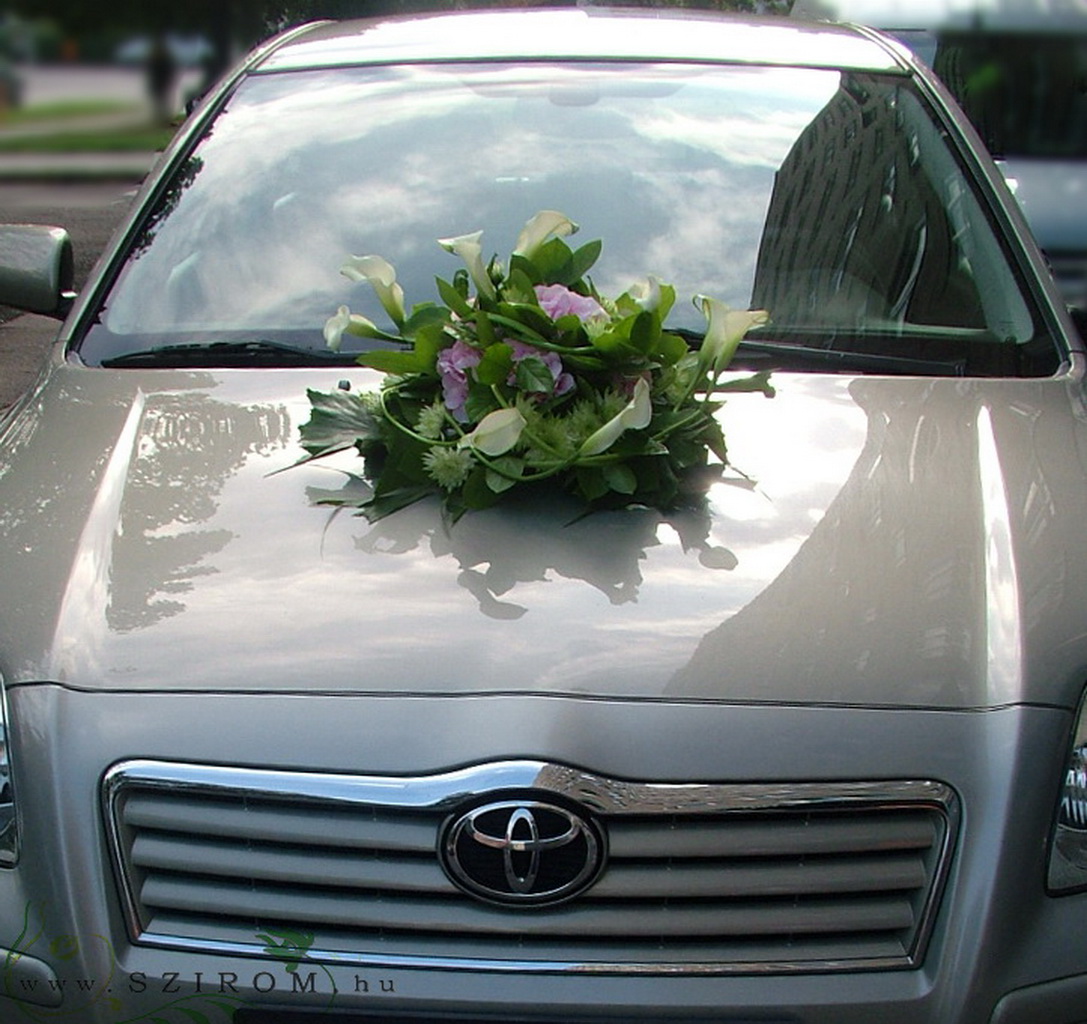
x=522, y=852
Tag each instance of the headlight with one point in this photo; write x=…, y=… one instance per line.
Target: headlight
x=1068, y=854
x=9, y=829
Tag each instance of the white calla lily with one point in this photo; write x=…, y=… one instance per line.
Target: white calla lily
x=635, y=415
x=496, y=433
x=470, y=249
x=381, y=275
x=725, y=331
x=539, y=228
x=343, y=321
x=647, y=293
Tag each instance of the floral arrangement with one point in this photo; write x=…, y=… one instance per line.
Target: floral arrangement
x=524, y=375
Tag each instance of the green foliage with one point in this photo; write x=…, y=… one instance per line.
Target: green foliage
x=537, y=381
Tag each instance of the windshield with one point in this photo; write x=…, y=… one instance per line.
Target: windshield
x=830, y=200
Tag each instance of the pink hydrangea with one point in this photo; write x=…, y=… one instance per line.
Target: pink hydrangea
x=456, y=362
x=453, y=366
x=557, y=300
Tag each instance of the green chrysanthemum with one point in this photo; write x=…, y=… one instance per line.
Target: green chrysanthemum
x=448, y=467
x=431, y=421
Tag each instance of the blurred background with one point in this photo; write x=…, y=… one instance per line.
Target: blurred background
x=124, y=72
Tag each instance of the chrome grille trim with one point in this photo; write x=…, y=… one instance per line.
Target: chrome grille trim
x=873, y=859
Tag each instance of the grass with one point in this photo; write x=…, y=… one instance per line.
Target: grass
x=62, y=110
x=81, y=126
x=109, y=140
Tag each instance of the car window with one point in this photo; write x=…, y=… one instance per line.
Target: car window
x=831, y=200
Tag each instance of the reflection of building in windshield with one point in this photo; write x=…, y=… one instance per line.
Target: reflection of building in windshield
x=855, y=235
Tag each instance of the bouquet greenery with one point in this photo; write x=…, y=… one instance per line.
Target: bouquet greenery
x=524, y=375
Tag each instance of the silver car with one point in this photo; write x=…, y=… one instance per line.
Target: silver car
x=804, y=745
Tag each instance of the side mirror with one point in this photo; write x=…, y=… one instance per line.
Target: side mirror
x=36, y=269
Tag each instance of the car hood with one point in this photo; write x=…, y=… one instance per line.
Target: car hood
x=883, y=542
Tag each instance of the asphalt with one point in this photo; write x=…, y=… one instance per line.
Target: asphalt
x=75, y=167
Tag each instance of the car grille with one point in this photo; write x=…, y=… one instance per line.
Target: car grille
x=698, y=878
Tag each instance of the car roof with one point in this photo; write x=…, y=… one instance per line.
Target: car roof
x=582, y=33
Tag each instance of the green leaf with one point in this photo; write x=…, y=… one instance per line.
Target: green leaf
x=528, y=314
x=645, y=332
x=685, y=452
x=668, y=300
x=454, y=298
x=671, y=348
x=480, y=401
x=390, y=361
x=337, y=420
x=430, y=339
x=534, y=377
x=714, y=439
x=610, y=343
x=496, y=365
x=484, y=329
x=583, y=259
x=423, y=314
x=511, y=469
x=554, y=261
x=476, y=492
x=591, y=482
x=620, y=478
x=520, y=267
x=519, y=286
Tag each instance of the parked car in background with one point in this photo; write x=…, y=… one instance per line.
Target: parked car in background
x=806, y=743
x=1020, y=73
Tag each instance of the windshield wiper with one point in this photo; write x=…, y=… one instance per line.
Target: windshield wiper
x=755, y=354
x=799, y=356
x=252, y=353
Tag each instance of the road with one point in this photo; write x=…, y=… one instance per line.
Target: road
x=90, y=212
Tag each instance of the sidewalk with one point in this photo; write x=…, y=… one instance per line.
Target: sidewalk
x=75, y=166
